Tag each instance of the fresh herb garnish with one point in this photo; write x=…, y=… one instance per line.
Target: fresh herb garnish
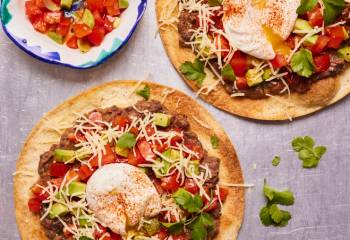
x=144, y=92
x=302, y=63
x=307, y=153
x=174, y=228
x=200, y=226
x=127, y=140
x=271, y=214
x=187, y=201
x=276, y=161
x=194, y=71
x=227, y=73
x=305, y=6
x=214, y=140
x=332, y=8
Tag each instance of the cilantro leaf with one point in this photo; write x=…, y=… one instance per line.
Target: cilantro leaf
x=194, y=71
x=187, y=201
x=306, y=5
x=332, y=8
x=286, y=217
x=272, y=215
x=265, y=217
x=214, y=140
x=145, y=92
x=280, y=197
x=127, y=140
x=174, y=228
x=302, y=63
x=227, y=73
x=275, y=213
x=201, y=225
x=307, y=152
x=276, y=161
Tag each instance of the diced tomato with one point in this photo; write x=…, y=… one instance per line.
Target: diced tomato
x=134, y=130
x=99, y=232
x=170, y=183
x=239, y=63
x=98, y=18
x=52, y=17
x=195, y=147
x=85, y=172
x=162, y=234
x=217, y=18
x=315, y=17
x=108, y=3
x=32, y=9
x=121, y=121
x=150, y=130
x=40, y=4
x=145, y=150
x=108, y=25
x=159, y=146
x=279, y=61
x=241, y=83
x=322, y=62
x=157, y=185
x=176, y=139
x=40, y=25
x=94, y=5
x=73, y=43
x=81, y=30
x=337, y=36
x=191, y=186
x=320, y=44
x=224, y=45
x=212, y=205
x=66, y=231
x=72, y=174
x=39, y=192
x=34, y=205
x=115, y=236
x=62, y=29
x=97, y=35
x=57, y=181
x=223, y=193
x=113, y=10
x=108, y=157
x=135, y=159
x=58, y=169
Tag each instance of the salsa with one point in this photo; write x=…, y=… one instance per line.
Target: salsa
x=77, y=24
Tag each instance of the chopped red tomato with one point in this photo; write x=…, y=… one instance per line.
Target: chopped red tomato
x=241, y=83
x=121, y=121
x=279, y=61
x=58, y=169
x=191, y=186
x=337, y=36
x=150, y=130
x=322, y=62
x=176, y=139
x=222, y=43
x=39, y=192
x=134, y=130
x=72, y=42
x=108, y=157
x=66, y=230
x=81, y=30
x=162, y=234
x=320, y=44
x=62, y=29
x=52, y=17
x=40, y=25
x=98, y=18
x=85, y=172
x=100, y=231
x=145, y=150
x=97, y=35
x=157, y=185
x=114, y=9
x=170, y=183
x=111, y=236
x=195, y=147
x=34, y=205
x=315, y=17
x=223, y=193
x=239, y=63
x=94, y=5
x=135, y=158
x=211, y=205
x=108, y=25
x=32, y=9
x=159, y=146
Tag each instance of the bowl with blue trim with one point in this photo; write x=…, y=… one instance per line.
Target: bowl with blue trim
x=20, y=30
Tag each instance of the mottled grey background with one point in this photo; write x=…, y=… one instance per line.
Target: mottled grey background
x=29, y=88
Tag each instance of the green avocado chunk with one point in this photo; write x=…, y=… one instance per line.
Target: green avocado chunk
x=56, y=37
x=152, y=226
x=63, y=155
x=311, y=40
x=124, y=152
x=162, y=120
x=123, y=3
x=76, y=189
x=253, y=78
x=344, y=53
x=88, y=18
x=58, y=210
x=301, y=24
x=66, y=4
x=84, y=221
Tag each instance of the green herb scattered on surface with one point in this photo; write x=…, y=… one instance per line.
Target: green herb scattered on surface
x=307, y=152
x=302, y=63
x=276, y=161
x=214, y=140
x=145, y=92
x=187, y=201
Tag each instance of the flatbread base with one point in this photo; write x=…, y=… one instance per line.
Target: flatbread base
x=322, y=93
x=116, y=93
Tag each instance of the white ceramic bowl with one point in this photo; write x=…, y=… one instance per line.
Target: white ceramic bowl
x=19, y=29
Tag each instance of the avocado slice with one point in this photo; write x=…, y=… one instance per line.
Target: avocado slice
x=63, y=155
x=123, y=3
x=66, y=4
x=152, y=226
x=84, y=46
x=253, y=78
x=301, y=24
x=56, y=37
x=84, y=221
x=76, y=189
x=88, y=18
x=344, y=53
x=58, y=210
x=162, y=120
x=171, y=154
x=267, y=73
x=124, y=152
x=311, y=40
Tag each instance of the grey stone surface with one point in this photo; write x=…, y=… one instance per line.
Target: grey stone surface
x=29, y=88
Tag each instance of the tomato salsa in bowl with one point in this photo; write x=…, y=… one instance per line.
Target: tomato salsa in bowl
x=75, y=33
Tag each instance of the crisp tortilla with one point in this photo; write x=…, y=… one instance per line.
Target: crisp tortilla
x=115, y=93
x=322, y=93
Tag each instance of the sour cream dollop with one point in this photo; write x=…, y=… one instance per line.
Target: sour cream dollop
x=245, y=23
x=120, y=195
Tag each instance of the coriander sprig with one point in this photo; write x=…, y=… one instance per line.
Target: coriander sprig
x=307, y=153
